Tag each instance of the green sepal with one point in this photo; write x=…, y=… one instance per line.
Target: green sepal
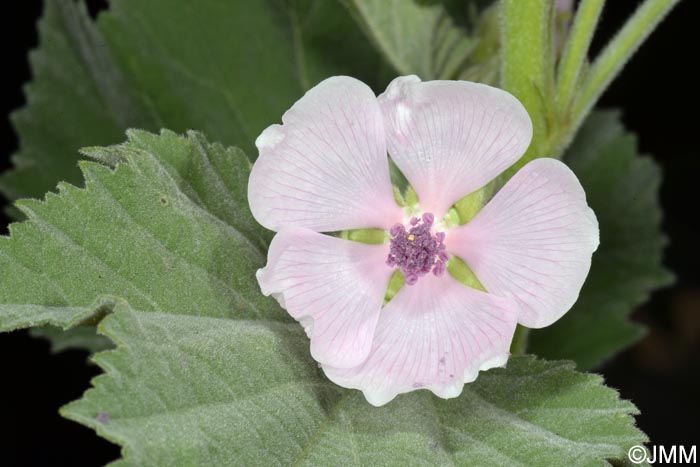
x=470, y=205
x=463, y=273
x=398, y=196
x=371, y=236
x=397, y=281
x=411, y=198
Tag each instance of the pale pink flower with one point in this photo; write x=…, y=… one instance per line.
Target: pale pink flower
x=326, y=169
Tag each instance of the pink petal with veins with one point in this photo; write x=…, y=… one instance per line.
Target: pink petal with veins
x=334, y=287
x=450, y=138
x=533, y=241
x=326, y=167
x=437, y=334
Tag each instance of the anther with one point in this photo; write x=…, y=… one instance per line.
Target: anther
x=417, y=251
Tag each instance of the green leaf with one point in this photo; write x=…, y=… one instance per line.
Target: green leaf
x=231, y=68
x=192, y=390
x=214, y=178
x=228, y=68
x=415, y=36
x=622, y=188
x=207, y=371
x=78, y=96
x=149, y=232
x=484, y=62
x=79, y=337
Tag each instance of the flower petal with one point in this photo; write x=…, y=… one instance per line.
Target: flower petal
x=533, y=241
x=326, y=167
x=437, y=334
x=450, y=138
x=334, y=287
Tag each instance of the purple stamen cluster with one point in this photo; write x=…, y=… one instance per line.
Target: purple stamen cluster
x=417, y=251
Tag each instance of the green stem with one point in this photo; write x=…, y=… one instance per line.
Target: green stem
x=616, y=54
x=520, y=339
x=576, y=51
x=527, y=68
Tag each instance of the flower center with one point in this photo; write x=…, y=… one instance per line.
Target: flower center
x=417, y=251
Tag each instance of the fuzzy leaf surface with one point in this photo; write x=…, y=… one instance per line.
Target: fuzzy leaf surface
x=415, y=36
x=228, y=68
x=207, y=371
x=194, y=390
x=148, y=232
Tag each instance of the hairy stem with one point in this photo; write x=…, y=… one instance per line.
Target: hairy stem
x=519, y=344
x=616, y=54
x=576, y=51
x=527, y=68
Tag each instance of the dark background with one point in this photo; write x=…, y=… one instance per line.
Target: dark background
x=658, y=93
